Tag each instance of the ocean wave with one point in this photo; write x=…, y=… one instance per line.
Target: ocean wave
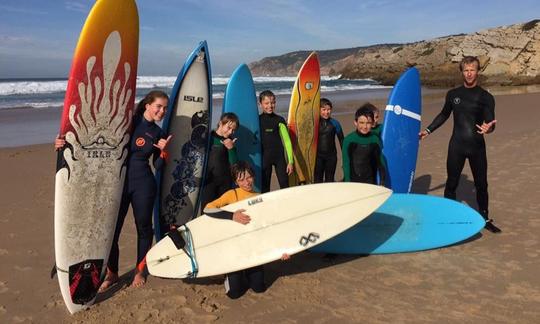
x=11, y=88
x=31, y=87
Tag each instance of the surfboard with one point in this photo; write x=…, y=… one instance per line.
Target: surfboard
x=180, y=179
x=303, y=120
x=400, y=131
x=408, y=223
x=282, y=221
x=240, y=99
x=96, y=122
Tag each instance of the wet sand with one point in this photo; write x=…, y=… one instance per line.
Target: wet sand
x=491, y=278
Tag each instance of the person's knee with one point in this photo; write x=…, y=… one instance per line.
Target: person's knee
x=258, y=287
x=235, y=293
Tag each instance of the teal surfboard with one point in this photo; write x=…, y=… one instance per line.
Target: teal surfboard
x=240, y=99
x=408, y=223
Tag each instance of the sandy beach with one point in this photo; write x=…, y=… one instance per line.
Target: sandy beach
x=492, y=278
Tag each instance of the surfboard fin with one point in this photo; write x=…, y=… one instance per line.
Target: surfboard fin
x=177, y=239
x=53, y=271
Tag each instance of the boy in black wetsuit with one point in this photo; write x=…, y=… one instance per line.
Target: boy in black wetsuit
x=474, y=116
x=275, y=142
x=362, y=156
x=329, y=128
x=237, y=283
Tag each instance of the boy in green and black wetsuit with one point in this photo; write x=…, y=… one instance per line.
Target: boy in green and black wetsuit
x=362, y=156
x=275, y=142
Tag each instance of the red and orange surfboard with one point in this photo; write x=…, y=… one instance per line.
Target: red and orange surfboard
x=303, y=120
x=96, y=123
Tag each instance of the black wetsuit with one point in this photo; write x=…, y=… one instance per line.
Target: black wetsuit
x=139, y=187
x=218, y=177
x=471, y=107
x=326, y=161
x=273, y=153
x=362, y=158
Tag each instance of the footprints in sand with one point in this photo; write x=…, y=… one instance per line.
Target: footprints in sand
x=3, y=287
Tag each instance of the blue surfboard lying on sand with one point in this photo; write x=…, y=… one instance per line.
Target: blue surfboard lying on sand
x=240, y=98
x=408, y=223
x=400, y=131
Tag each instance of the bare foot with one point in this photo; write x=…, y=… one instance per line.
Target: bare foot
x=138, y=280
x=110, y=279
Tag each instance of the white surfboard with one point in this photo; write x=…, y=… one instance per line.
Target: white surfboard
x=284, y=221
x=180, y=179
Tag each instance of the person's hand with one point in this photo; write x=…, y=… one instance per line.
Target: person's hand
x=162, y=143
x=229, y=143
x=285, y=257
x=240, y=217
x=59, y=142
x=423, y=134
x=290, y=169
x=485, y=128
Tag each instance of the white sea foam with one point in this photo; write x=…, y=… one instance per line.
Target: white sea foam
x=31, y=87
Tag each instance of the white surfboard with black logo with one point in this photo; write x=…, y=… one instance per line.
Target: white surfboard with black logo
x=283, y=221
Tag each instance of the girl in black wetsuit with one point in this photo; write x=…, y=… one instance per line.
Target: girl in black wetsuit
x=221, y=156
x=147, y=140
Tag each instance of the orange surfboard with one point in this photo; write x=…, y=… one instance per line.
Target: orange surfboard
x=303, y=120
x=96, y=123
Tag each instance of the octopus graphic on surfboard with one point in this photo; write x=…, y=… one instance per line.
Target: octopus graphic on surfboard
x=96, y=124
x=180, y=180
x=303, y=120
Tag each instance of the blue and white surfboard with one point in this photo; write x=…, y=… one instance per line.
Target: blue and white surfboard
x=400, y=131
x=240, y=98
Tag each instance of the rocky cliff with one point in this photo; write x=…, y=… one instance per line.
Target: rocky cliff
x=509, y=55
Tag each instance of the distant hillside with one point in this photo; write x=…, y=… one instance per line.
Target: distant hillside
x=510, y=55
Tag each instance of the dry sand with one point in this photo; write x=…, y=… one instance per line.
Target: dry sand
x=492, y=278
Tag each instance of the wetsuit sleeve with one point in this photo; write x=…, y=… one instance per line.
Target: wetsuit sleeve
x=442, y=116
x=346, y=164
x=489, y=109
x=287, y=145
x=233, y=155
x=381, y=164
x=212, y=209
x=159, y=161
x=339, y=132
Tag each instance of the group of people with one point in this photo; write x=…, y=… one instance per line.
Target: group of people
x=362, y=161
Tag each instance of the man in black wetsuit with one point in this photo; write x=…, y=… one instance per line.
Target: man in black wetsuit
x=474, y=116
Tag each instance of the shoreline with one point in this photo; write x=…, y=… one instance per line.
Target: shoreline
x=41, y=125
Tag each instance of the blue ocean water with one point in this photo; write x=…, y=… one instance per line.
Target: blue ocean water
x=46, y=93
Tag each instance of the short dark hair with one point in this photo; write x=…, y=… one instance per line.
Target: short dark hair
x=229, y=117
x=371, y=107
x=364, y=111
x=264, y=94
x=240, y=167
x=326, y=102
x=469, y=60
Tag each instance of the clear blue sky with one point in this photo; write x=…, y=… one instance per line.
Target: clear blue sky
x=37, y=37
